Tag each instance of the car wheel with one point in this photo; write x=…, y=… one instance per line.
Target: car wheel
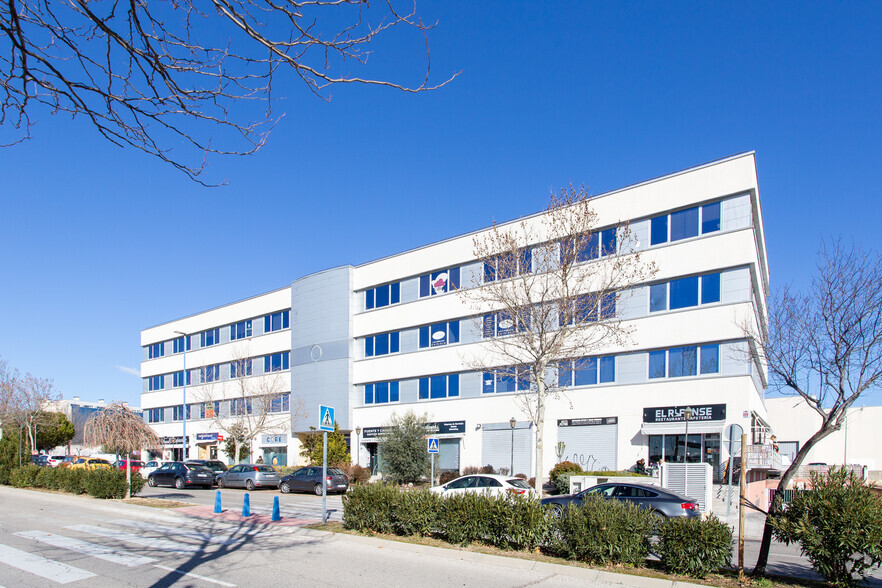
x=151, y=481
x=249, y=485
x=179, y=483
x=284, y=487
x=557, y=511
x=221, y=483
x=318, y=489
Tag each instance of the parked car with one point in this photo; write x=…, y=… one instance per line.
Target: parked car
x=486, y=483
x=181, y=475
x=136, y=465
x=249, y=476
x=151, y=466
x=40, y=460
x=91, y=463
x=215, y=465
x=55, y=460
x=68, y=461
x=309, y=479
x=657, y=500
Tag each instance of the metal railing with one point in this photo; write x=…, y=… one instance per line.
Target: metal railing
x=764, y=457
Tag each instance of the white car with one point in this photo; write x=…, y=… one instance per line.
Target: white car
x=151, y=466
x=490, y=483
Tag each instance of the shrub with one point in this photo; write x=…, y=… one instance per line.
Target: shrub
x=487, y=469
x=838, y=525
x=5, y=474
x=517, y=522
x=564, y=467
x=471, y=470
x=103, y=483
x=465, y=518
x=357, y=474
x=693, y=546
x=25, y=476
x=368, y=507
x=73, y=481
x=403, y=456
x=46, y=478
x=603, y=532
x=448, y=476
x=415, y=513
x=562, y=483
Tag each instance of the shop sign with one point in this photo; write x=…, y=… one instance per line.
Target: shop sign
x=674, y=414
x=173, y=440
x=439, y=428
x=281, y=439
x=206, y=437
x=587, y=422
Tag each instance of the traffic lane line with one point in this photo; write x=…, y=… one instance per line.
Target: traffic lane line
x=192, y=575
x=84, y=547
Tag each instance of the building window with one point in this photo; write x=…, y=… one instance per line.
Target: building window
x=382, y=296
x=586, y=371
x=381, y=344
x=240, y=406
x=240, y=330
x=179, y=378
x=276, y=362
x=209, y=337
x=209, y=373
x=209, y=410
x=178, y=410
x=681, y=362
x=587, y=309
x=276, y=321
x=280, y=403
x=155, y=383
x=511, y=379
x=587, y=247
x=507, y=265
x=179, y=344
x=502, y=323
x=685, y=292
x=240, y=368
x=441, y=386
x=381, y=393
x=685, y=224
x=155, y=350
x=439, y=334
x=439, y=282
x=154, y=415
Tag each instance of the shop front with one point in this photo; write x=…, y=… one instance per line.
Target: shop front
x=207, y=445
x=449, y=434
x=591, y=442
x=274, y=449
x=674, y=438
x=173, y=449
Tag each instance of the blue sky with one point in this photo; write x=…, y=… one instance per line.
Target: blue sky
x=101, y=242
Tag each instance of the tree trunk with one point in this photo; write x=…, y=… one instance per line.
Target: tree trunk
x=128, y=476
x=540, y=429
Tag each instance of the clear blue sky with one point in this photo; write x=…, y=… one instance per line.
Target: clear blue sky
x=100, y=242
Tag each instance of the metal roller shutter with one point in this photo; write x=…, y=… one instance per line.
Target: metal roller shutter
x=496, y=448
x=448, y=455
x=592, y=447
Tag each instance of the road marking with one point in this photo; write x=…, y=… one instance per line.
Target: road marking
x=40, y=566
x=162, y=544
x=192, y=575
x=210, y=537
x=86, y=548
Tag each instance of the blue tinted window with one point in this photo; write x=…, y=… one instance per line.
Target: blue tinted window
x=368, y=393
x=565, y=374
x=588, y=247
x=440, y=281
x=657, y=364
x=506, y=266
x=424, y=337
x=710, y=288
x=368, y=346
x=424, y=286
x=505, y=324
x=505, y=380
x=684, y=224
x=395, y=295
x=710, y=359
x=369, y=299
x=424, y=388
x=454, y=278
x=381, y=298
x=525, y=263
x=489, y=272
x=684, y=292
x=710, y=218
x=523, y=378
x=683, y=362
x=658, y=297
x=608, y=306
x=381, y=344
x=179, y=344
x=607, y=369
x=393, y=391
x=489, y=326
x=393, y=342
x=489, y=382
x=659, y=230
x=454, y=332
x=381, y=392
x=453, y=385
x=438, y=386
x=608, y=241
x=438, y=334
x=585, y=371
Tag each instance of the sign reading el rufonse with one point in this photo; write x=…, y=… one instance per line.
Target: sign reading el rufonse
x=675, y=414
x=326, y=418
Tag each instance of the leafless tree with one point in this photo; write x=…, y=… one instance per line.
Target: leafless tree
x=118, y=426
x=551, y=285
x=24, y=399
x=155, y=75
x=824, y=347
x=250, y=403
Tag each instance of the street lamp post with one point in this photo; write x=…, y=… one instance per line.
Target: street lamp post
x=687, y=415
x=184, y=398
x=357, y=446
x=512, y=422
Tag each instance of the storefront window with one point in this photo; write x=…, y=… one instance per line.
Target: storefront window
x=672, y=449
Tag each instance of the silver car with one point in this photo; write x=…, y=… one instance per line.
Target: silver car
x=249, y=476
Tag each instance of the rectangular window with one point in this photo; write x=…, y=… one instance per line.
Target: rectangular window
x=657, y=364
x=156, y=350
x=240, y=330
x=710, y=288
x=439, y=282
x=368, y=346
x=508, y=265
x=155, y=383
x=240, y=368
x=368, y=299
x=608, y=242
x=240, y=406
x=441, y=386
x=382, y=296
x=587, y=247
x=659, y=230
x=179, y=344
x=683, y=361
x=276, y=362
x=564, y=374
x=179, y=378
x=280, y=403
x=276, y=321
x=710, y=359
x=154, y=415
x=710, y=218
x=684, y=292
x=178, y=412
x=684, y=224
x=209, y=337
x=381, y=344
x=439, y=334
x=381, y=393
x=658, y=297
x=585, y=371
x=209, y=373
x=607, y=369
x=509, y=379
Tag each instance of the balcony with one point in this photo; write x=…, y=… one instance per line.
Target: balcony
x=764, y=457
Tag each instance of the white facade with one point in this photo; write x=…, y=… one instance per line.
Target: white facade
x=368, y=340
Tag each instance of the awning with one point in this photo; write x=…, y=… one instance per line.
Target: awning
x=679, y=428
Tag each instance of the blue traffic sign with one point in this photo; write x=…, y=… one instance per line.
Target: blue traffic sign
x=433, y=445
x=326, y=418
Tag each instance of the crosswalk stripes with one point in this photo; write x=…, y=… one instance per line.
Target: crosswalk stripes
x=190, y=534
x=151, y=542
x=41, y=566
x=86, y=548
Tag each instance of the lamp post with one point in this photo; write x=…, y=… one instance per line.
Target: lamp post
x=184, y=398
x=357, y=446
x=512, y=422
x=687, y=415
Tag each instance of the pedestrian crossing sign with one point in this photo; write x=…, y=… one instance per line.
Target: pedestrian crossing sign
x=326, y=418
x=433, y=444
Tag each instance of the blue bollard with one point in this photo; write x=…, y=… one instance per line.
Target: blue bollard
x=246, y=507
x=276, y=515
x=217, y=503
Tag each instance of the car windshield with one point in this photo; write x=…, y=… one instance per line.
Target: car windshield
x=336, y=472
x=99, y=461
x=198, y=468
x=264, y=468
x=217, y=466
x=518, y=483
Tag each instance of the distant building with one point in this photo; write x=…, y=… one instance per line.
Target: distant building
x=78, y=412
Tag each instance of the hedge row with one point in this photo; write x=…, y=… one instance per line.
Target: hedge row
x=598, y=532
x=100, y=483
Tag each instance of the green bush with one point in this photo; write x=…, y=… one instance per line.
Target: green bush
x=465, y=518
x=402, y=448
x=415, y=512
x=5, y=474
x=838, y=525
x=603, y=532
x=357, y=474
x=25, y=476
x=564, y=467
x=693, y=546
x=368, y=507
x=73, y=481
x=103, y=483
x=448, y=476
x=517, y=522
